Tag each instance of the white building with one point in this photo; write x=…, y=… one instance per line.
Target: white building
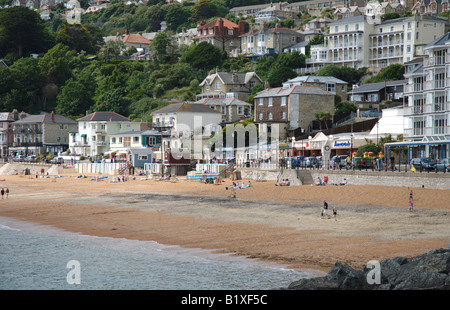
x=428, y=109
x=94, y=129
x=359, y=41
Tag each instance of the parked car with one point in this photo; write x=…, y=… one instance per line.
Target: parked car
x=443, y=165
x=19, y=158
x=311, y=162
x=423, y=163
x=57, y=160
x=297, y=161
x=31, y=158
x=319, y=161
x=338, y=161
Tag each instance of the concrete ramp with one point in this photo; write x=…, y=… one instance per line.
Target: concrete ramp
x=305, y=176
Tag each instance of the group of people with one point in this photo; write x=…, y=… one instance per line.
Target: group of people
x=242, y=186
x=3, y=192
x=322, y=183
x=284, y=182
x=324, y=213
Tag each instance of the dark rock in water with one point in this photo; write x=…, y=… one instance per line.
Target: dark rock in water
x=429, y=271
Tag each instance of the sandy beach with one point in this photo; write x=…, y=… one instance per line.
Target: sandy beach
x=268, y=222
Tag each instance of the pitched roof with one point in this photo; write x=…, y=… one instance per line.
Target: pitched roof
x=223, y=101
x=104, y=116
x=185, y=107
x=135, y=39
x=280, y=91
x=45, y=118
x=227, y=77
x=371, y=87
x=439, y=41
x=226, y=23
x=315, y=79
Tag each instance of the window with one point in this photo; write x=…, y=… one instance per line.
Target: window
x=240, y=110
x=230, y=32
x=356, y=26
x=283, y=115
x=270, y=101
x=417, y=35
x=204, y=32
x=261, y=101
x=283, y=100
x=113, y=140
x=211, y=31
x=261, y=38
x=336, y=28
x=136, y=139
x=408, y=36
x=331, y=87
x=408, y=48
x=218, y=85
x=346, y=27
x=260, y=116
x=270, y=116
x=269, y=35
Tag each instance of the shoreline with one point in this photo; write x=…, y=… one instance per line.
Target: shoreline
x=266, y=222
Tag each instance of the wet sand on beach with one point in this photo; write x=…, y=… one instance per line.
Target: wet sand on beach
x=277, y=224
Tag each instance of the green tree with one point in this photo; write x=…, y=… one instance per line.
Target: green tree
x=57, y=64
x=346, y=74
x=177, y=16
x=113, y=100
x=21, y=86
x=22, y=32
x=203, y=56
x=390, y=73
x=79, y=37
x=76, y=95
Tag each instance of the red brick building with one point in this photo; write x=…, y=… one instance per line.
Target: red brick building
x=221, y=33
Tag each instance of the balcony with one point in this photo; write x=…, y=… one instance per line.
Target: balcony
x=100, y=143
x=27, y=144
x=427, y=131
x=434, y=61
x=411, y=88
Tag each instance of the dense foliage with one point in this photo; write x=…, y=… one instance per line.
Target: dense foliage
x=77, y=71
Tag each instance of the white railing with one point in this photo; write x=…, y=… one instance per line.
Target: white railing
x=411, y=88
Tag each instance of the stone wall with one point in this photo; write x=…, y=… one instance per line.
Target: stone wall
x=407, y=179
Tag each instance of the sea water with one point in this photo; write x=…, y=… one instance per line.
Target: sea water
x=38, y=257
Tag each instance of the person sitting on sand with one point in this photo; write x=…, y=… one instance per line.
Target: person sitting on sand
x=344, y=182
x=320, y=182
x=249, y=184
x=287, y=183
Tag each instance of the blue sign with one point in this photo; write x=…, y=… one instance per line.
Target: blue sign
x=341, y=144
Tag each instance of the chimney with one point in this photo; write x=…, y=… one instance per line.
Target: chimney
x=241, y=27
x=140, y=33
x=22, y=115
x=88, y=112
x=52, y=116
x=15, y=114
x=127, y=32
x=235, y=78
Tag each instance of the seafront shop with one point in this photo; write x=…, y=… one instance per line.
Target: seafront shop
x=432, y=147
x=340, y=144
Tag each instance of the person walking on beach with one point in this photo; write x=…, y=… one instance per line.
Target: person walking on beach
x=410, y=196
x=335, y=213
x=7, y=192
x=3, y=192
x=325, y=209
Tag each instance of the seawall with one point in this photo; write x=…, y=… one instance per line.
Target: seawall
x=430, y=179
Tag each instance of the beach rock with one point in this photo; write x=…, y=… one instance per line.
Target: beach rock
x=429, y=271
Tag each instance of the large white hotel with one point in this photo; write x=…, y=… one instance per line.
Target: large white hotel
x=359, y=41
